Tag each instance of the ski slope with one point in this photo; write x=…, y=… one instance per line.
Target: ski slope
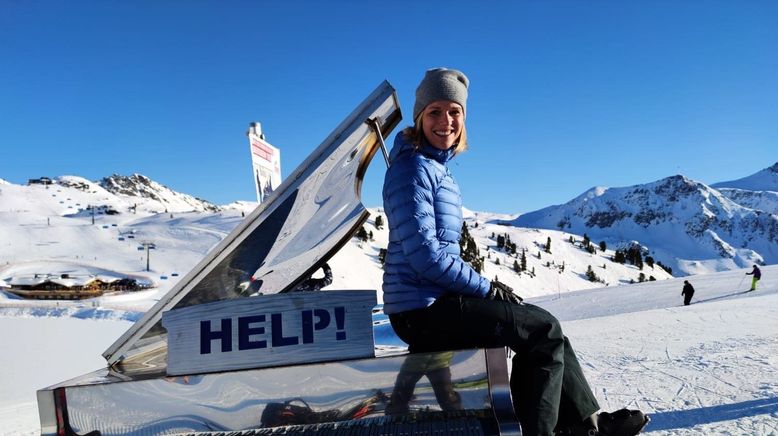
x=710, y=368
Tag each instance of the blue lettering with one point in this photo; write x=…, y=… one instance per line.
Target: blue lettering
x=207, y=335
x=308, y=326
x=245, y=331
x=276, y=325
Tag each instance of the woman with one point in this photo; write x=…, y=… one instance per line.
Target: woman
x=436, y=301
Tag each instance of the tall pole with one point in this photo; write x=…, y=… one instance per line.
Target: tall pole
x=148, y=246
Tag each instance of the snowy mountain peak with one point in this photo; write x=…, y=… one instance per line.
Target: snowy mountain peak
x=681, y=220
x=142, y=187
x=763, y=180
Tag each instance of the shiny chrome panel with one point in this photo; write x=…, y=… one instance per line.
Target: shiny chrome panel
x=302, y=224
x=237, y=400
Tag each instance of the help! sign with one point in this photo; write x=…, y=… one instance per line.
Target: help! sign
x=270, y=330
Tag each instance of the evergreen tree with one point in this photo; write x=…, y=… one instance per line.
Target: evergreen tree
x=382, y=255
x=641, y=277
x=586, y=240
x=590, y=274
x=650, y=261
x=516, y=267
x=500, y=241
x=370, y=235
x=602, y=246
x=362, y=234
x=548, y=245
x=469, y=250
x=379, y=222
x=523, y=260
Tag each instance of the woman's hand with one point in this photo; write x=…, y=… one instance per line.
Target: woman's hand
x=501, y=292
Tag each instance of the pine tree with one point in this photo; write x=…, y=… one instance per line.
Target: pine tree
x=590, y=274
x=523, y=260
x=548, y=245
x=602, y=246
x=362, y=234
x=516, y=267
x=379, y=222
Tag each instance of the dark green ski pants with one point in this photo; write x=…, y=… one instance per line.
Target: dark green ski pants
x=547, y=384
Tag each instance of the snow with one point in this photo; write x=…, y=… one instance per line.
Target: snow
x=764, y=180
x=704, y=369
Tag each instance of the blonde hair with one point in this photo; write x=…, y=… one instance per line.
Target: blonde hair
x=415, y=133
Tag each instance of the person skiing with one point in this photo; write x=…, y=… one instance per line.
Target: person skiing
x=757, y=273
x=688, y=292
x=437, y=302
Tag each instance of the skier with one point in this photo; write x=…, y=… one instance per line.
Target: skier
x=437, y=302
x=688, y=292
x=757, y=273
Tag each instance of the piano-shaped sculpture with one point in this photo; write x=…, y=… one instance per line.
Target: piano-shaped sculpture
x=230, y=350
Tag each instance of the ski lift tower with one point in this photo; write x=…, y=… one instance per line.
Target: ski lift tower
x=147, y=245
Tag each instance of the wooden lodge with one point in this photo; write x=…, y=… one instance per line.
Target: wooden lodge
x=66, y=288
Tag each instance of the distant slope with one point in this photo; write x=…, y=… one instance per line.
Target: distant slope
x=685, y=223
x=764, y=180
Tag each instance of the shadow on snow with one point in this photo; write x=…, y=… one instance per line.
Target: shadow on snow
x=706, y=415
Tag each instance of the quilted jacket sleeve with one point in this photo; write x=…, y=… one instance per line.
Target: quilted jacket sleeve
x=412, y=202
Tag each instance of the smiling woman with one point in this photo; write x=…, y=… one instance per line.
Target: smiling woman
x=436, y=301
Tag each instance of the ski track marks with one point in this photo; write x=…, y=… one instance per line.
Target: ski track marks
x=690, y=374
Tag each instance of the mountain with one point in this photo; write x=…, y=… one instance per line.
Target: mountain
x=757, y=191
x=138, y=186
x=764, y=180
x=685, y=224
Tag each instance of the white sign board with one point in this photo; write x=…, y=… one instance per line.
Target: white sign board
x=270, y=330
x=265, y=162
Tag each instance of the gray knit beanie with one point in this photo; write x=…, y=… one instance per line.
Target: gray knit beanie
x=441, y=84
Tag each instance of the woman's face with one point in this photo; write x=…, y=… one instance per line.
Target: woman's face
x=442, y=123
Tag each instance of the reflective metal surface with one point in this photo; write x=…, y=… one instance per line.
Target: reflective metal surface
x=302, y=224
x=259, y=398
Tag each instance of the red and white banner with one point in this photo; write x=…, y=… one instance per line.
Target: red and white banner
x=265, y=162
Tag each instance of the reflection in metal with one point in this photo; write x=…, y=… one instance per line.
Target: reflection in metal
x=239, y=400
x=500, y=392
x=377, y=128
x=299, y=227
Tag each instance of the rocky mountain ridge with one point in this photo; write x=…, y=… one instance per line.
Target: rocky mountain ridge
x=693, y=224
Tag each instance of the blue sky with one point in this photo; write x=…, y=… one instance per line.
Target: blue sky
x=564, y=95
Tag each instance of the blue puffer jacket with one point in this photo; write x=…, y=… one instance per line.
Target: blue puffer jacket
x=424, y=210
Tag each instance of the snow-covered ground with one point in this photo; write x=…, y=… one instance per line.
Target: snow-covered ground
x=710, y=368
